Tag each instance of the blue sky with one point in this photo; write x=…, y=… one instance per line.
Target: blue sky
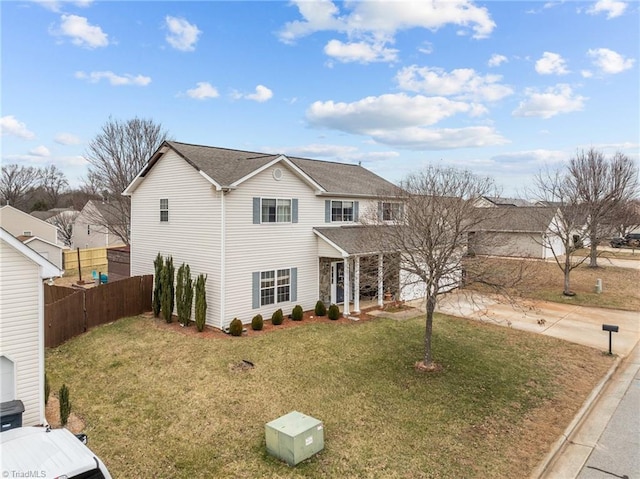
x=502, y=88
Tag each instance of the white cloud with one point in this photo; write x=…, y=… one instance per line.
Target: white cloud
x=41, y=151
x=555, y=100
x=531, y=158
x=551, y=64
x=262, y=94
x=374, y=24
x=9, y=125
x=388, y=111
x=609, y=61
x=56, y=6
x=182, y=34
x=613, y=8
x=203, y=91
x=462, y=83
x=361, y=52
x=496, y=60
x=586, y=73
x=417, y=138
x=67, y=139
x=401, y=120
x=114, y=79
x=81, y=32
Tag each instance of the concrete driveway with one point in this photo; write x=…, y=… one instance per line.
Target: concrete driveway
x=577, y=324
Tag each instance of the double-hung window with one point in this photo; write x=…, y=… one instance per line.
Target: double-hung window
x=164, y=210
x=342, y=211
x=275, y=286
x=276, y=210
x=267, y=288
x=391, y=211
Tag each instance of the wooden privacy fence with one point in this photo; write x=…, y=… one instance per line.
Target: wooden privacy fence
x=72, y=313
x=89, y=258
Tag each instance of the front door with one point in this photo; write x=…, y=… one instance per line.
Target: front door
x=337, y=282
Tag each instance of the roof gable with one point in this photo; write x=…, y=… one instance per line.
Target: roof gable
x=227, y=168
x=47, y=268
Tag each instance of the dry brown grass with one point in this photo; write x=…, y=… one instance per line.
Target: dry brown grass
x=544, y=280
x=159, y=403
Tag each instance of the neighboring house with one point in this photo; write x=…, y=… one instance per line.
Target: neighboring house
x=498, y=202
x=61, y=218
x=525, y=232
x=256, y=224
x=50, y=251
x=36, y=233
x=22, y=272
x=89, y=230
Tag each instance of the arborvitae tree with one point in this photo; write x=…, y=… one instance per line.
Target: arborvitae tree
x=65, y=404
x=158, y=266
x=184, y=294
x=201, y=301
x=168, y=289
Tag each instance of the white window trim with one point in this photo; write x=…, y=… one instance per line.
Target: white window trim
x=353, y=204
x=276, y=222
x=276, y=286
x=164, y=209
x=398, y=211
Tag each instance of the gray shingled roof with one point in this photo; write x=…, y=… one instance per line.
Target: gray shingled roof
x=357, y=239
x=498, y=201
x=529, y=219
x=226, y=166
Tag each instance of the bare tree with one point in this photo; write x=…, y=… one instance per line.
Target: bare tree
x=64, y=222
x=53, y=183
x=431, y=236
x=116, y=155
x=601, y=186
x=626, y=217
x=554, y=188
x=17, y=185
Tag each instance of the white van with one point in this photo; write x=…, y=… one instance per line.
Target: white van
x=47, y=453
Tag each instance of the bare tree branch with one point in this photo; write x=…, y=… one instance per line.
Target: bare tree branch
x=116, y=155
x=17, y=185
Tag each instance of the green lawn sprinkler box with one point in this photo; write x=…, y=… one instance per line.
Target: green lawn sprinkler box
x=294, y=437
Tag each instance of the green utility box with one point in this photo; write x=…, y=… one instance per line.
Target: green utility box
x=294, y=437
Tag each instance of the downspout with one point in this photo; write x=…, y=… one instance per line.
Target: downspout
x=223, y=255
x=41, y=368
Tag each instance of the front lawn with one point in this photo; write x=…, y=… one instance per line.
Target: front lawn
x=161, y=404
x=544, y=280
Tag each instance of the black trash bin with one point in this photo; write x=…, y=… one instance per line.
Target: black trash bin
x=11, y=414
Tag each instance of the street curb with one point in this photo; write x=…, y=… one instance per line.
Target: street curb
x=577, y=420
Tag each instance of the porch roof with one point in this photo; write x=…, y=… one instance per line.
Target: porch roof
x=357, y=240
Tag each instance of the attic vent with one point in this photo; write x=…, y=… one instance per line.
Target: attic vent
x=277, y=174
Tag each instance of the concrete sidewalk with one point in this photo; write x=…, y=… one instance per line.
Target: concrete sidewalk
x=605, y=442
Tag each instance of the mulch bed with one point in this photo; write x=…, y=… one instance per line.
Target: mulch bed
x=309, y=317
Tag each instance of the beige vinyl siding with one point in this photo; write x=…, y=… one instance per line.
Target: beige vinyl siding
x=325, y=250
x=18, y=222
x=192, y=234
x=516, y=244
x=20, y=313
x=51, y=252
x=260, y=247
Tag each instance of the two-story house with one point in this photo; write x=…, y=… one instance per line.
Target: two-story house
x=269, y=231
x=40, y=236
x=89, y=226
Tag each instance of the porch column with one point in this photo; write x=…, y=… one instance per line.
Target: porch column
x=356, y=285
x=380, y=280
x=347, y=288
